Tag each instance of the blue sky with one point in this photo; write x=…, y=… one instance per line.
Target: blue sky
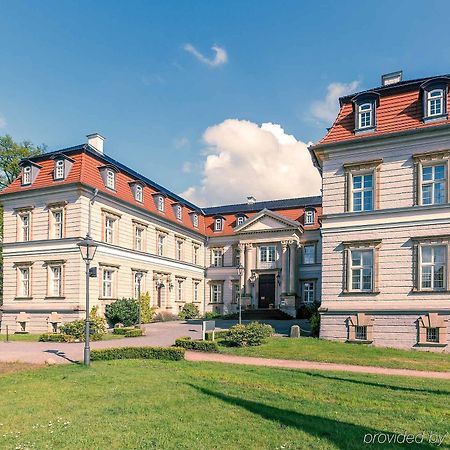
x=120, y=68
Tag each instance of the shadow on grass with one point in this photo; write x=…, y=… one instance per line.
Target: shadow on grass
x=343, y=435
x=380, y=385
x=62, y=355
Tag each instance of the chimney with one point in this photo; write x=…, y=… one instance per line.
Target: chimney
x=251, y=200
x=391, y=78
x=95, y=140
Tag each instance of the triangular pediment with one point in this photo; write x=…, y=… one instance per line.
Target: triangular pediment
x=267, y=220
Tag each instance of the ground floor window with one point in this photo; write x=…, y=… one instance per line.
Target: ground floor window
x=216, y=293
x=308, y=291
x=54, y=327
x=236, y=293
x=432, y=334
x=361, y=270
x=361, y=333
x=22, y=327
x=107, y=290
x=433, y=267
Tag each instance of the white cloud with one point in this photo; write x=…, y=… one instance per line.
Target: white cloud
x=180, y=143
x=243, y=158
x=326, y=110
x=220, y=57
x=2, y=121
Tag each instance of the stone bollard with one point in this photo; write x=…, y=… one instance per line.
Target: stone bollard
x=295, y=331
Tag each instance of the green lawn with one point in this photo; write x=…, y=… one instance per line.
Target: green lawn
x=311, y=349
x=181, y=405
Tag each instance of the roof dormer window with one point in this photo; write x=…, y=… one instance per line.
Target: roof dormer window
x=195, y=220
x=138, y=193
x=240, y=219
x=218, y=224
x=434, y=98
x=59, y=169
x=160, y=201
x=179, y=212
x=435, y=102
x=110, y=179
x=365, y=115
x=309, y=217
x=26, y=175
x=364, y=106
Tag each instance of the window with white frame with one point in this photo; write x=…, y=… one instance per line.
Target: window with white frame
x=362, y=192
x=59, y=169
x=309, y=217
x=160, y=203
x=308, y=291
x=218, y=224
x=58, y=223
x=25, y=226
x=267, y=253
x=217, y=257
x=26, y=175
x=433, y=267
x=107, y=283
x=179, y=212
x=110, y=179
x=365, y=115
x=195, y=254
x=55, y=281
x=179, y=290
x=435, y=102
x=24, y=282
x=160, y=244
x=54, y=327
x=240, y=220
x=138, y=281
x=309, y=254
x=236, y=256
x=434, y=184
x=235, y=292
x=361, y=270
x=22, y=327
x=196, y=291
x=179, y=250
x=138, y=238
x=195, y=220
x=138, y=193
x=216, y=293
x=110, y=223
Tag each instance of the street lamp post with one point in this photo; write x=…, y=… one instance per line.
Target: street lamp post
x=87, y=249
x=240, y=271
x=138, y=280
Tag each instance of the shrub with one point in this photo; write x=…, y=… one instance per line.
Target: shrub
x=76, y=328
x=189, y=311
x=122, y=331
x=203, y=346
x=125, y=311
x=211, y=315
x=220, y=334
x=147, y=311
x=55, y=337
x=249, y=335
x=167, y=353
x=315, y=324
x=135, y=332
x=165, y=316
x=306, y=311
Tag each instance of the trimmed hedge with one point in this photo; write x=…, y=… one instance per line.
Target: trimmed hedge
x=135, y=332
x=203, y=346
x=166, y=353
x=219, y=334
x=123, y=330
x=56, y=337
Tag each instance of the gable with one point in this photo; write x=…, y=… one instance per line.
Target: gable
x=266, y=221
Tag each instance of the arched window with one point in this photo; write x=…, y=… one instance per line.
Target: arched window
x=435, y=99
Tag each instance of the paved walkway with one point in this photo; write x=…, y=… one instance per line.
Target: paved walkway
x=311, y=365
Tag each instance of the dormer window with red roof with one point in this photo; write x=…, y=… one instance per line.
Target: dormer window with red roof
x=240, y=219
x=179, y=211
x=138, y=193
x=434, y=97
x=218, y=224
x=309, y=217
x=59, y=169
x=364, y=107
x=110, y=179
x=30, y=171
x=26, y=175
x=435, y=102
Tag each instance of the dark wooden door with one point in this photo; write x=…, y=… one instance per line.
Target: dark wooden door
x=266, y=290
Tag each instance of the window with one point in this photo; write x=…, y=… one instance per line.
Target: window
x=110, y=179
x=309, y=254
x=361, y=270
x=267, y=253
x=109, y=229
x=179, y=212
x=237, y=256
x=107, y=289
x=362, y=192
x=25, y=226
x=179, y=290
x=26, y=175
x=22, y=327
x=179, y=250
x=196, y=286
x=435, y=102
x=137, y=283
x=308, y=291
x=236, y=293
x=160, y=243
x=434, y=185
x=361, y=333
x=365, y=115
x=138, y=193
x=216, y=293
x=433, y=267
x=195, y=220
x=54, y=327
x=240, y=220
x=160, y=202
x=55, y=281
x=195, y=254
x=58, y=224
x=138, y=238
x=432, y=334
x=59, y=169
x=217, y=258
x=309, y=217
x=24, y=282
x=218, y=224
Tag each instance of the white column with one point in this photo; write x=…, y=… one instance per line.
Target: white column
x=248, y=268
x=284, y=267
x=292, y=267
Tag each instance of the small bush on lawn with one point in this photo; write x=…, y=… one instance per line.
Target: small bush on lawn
x=204, y=346
x=221, y=334
x=210, y=315
x=128, y=331
x=251, y=334
x=125, y=311
x=306, y=311
x=165, y=316
x=189, y=311
x=167, y=353
x=75, y=328
x=56, y=337
x=315, y=324
x=147, y=311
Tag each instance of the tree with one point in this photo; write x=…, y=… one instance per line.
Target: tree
x=10, y=155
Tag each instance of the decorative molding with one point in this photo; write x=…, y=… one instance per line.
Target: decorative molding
x=363, y=165
x=431, y=156
x=364, y=243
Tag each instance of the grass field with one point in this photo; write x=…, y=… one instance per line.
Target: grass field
x=338, y=352
x=180, y=405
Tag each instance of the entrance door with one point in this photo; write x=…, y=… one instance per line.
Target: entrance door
x=266, y=290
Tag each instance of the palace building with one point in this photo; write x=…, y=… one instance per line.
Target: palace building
x=386, y=216
x=149, y=240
